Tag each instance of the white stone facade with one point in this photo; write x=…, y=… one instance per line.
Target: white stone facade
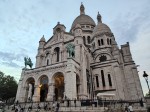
x=99, y=66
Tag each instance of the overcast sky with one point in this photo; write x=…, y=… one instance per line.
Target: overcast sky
x=23, y=22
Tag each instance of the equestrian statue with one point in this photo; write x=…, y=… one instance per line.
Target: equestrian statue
x=70, y=48
x=27, y=61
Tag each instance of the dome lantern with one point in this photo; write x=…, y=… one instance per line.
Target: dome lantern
x=82, y=9
x=99, y=18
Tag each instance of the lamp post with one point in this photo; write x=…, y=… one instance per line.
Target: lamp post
x=145, y=75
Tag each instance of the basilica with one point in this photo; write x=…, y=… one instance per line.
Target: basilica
x=84, y=63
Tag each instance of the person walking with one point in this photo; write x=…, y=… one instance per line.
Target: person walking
x=57, y=107
x=130, y=108
x=126, y=109
x=75, y=102
x=53, y=106
x=38, y=108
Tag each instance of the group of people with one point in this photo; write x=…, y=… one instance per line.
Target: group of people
x=47, y=107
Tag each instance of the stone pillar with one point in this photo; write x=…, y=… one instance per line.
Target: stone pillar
x=19, y=91
x=118, y=80
x=36, y=96
x=20, y=88
x=70, y=80
x=138, y=88
x=24, y=94
x=50, y=94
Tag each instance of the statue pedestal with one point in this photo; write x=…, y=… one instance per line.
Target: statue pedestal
x=70, y=79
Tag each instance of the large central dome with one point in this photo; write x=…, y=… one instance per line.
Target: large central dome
x=83, y=19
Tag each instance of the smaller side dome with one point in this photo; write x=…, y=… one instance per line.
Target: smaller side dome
x=42, y=39
x=100, y=27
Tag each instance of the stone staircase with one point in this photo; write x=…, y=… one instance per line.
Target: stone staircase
x=78, y=109
x=72, y=107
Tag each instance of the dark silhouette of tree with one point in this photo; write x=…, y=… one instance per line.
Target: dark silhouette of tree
x=8, y=86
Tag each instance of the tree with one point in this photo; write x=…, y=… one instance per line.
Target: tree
x=147, y=95
x=8, y=86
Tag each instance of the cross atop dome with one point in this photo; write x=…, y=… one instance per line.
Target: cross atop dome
x=82, y=9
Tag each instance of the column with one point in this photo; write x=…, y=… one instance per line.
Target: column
x=70, y=80
x=36, y=96
x=24, y=94
x=50, y=94
x=119, y=82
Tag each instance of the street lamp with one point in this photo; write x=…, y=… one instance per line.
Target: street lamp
x=145, y=75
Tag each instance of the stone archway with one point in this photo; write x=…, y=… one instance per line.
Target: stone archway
x=43, y=88
x=58, y=86
x=29, y=89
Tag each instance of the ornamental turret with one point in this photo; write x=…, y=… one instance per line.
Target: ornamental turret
x=40, y=52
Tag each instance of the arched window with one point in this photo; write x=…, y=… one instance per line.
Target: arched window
x=47, y=61
x=107, y=41
x=99, y=43
x=57, y=53
x=110, y=41
x=102, y=42
x=97, y=81
x=103, y=78
x=109, y=79
x=103, y=58
x=88, y=39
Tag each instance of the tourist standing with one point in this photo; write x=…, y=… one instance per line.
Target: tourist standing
x=75, y=102
x=126, y=109
x=130, y=108
x=57, y=107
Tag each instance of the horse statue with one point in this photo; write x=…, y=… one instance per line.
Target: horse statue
x=70, y=48
x=27, y=61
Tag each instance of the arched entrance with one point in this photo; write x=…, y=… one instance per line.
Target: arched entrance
x=43, y=88
x=59, y=86
x=30, y=89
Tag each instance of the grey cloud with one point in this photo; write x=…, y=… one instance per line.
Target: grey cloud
x=11, y=64
x=128, y=27
x=9, y=57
